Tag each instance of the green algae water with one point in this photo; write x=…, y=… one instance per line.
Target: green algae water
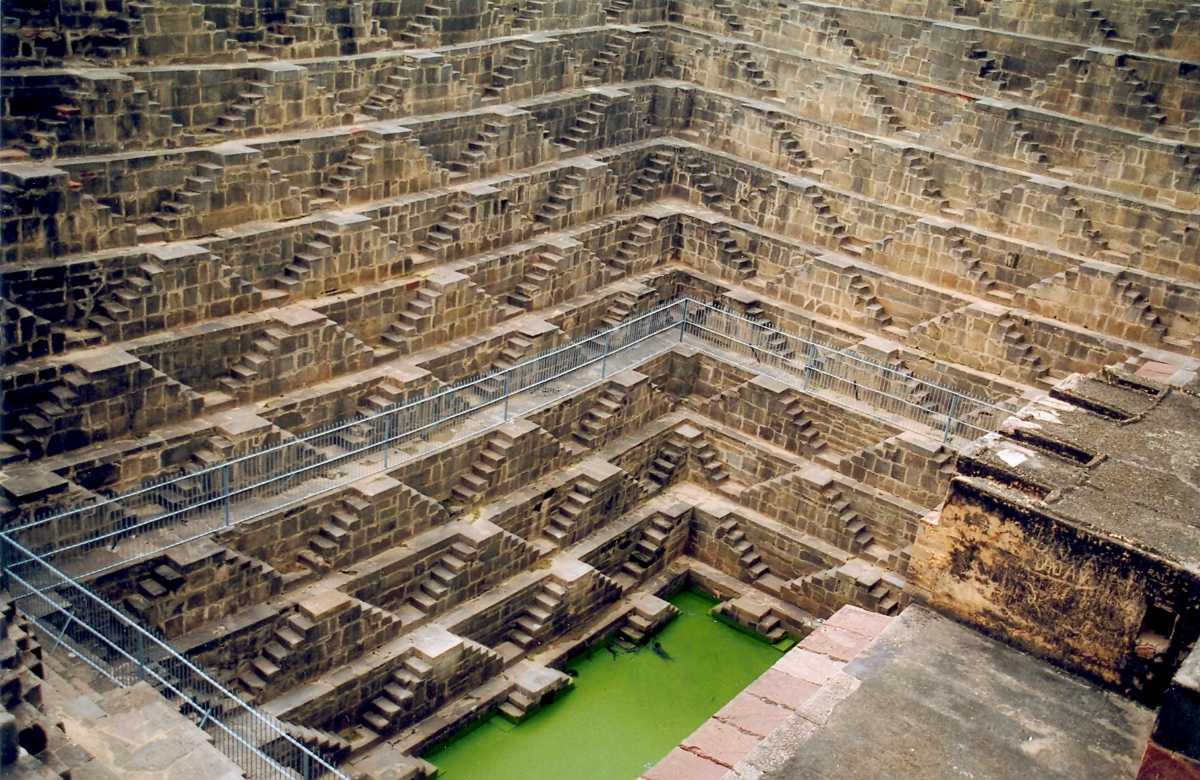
x=624, y=713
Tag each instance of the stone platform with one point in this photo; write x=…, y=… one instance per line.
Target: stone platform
x=912, y=698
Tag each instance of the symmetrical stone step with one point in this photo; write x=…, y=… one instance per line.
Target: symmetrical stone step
x=474, y=485
x=589, y=124
x=649, y=549
x=443, y=577
x=596, y=421
x=802, y=425
x=286, y=639
x=561, y=525
x=529, y=292
x=668, y=460
x=748, y=559
x=535, y=623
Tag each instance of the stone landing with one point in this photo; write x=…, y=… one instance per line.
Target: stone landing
x=929, y=698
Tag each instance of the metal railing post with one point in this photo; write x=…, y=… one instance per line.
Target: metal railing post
x=141, y=654
x=604, y=360
x=387, y=439
x=683, y=322
x=4, y=562
x=507, y=374
x=225, y=490
x=950, y=415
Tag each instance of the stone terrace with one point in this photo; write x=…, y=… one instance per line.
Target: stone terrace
x=224, y=227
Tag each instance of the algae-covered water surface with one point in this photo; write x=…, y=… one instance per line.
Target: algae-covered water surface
x=626, y=711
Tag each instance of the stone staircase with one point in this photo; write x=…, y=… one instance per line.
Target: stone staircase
x=555, y=212
x=444, y=577
x=631, y=248
x=305, y=266
x=789, y=144
x=563, y=521
x=825, y=220
x=423, y=30
x=1099, y=25
x=516, y=60
x=728, y=15
x=241, y=116
x=250, y=367
x=535, y=623
x=530, y=15
x=861, y=540
x=1028, y=150
x=415, y=317
x=397, y=698
x=390, y=95
x=332, y=748
x=474, y=485
x=730, y=254
x=649, y=550
x=655, y=172
x=769, y=336
x=325, y=546
x=185, y=490
x=588, y=125
x=971, y=264
x=287, y=639
x=710, y=463
x=854, y=582
x=348, y=180
x=754, y=613
x=876, y=101
x=649, y=614
x=516, y=349
x=623, y=305
x=755, y=74
x=701, y=180
x=446, y=232
x=614, y=9
x=479, y=151
x=1139, y=308
x=158, y=583
x=836, y=37
x=539, y=273
x=1141, y=95
x=916, y=164
x=671, y=456
x=1019, y=350
x=752, y=564
x=128, y=301
x=988, y=68
x=595, y=422
x=863, y=298
x=609, y=63
x=802, y=424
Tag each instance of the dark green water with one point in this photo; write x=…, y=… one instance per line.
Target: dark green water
x=624, y=713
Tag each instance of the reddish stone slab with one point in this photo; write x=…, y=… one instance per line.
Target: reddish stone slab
x=720, y=742
x=837, y=643
x=682, y=765
x=1160, y=764
x=806, y=665
x=750, y=713
x=860, y=621
x=783, y=689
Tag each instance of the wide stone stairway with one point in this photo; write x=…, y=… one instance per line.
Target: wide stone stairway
x=380, y=355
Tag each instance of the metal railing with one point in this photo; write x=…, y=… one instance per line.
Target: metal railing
x=111, y=532
x=105, y=534
x=70, y=615
x=144, y=522
x=817, y=369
